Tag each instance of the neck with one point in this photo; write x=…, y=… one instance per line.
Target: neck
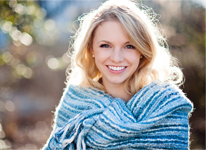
x=117, y=91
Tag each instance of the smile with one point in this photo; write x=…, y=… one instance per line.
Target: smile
x=116, y=68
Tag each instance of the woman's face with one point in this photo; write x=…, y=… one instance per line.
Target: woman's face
x=115, y=57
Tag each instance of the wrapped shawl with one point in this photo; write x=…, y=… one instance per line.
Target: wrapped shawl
x=156, y=117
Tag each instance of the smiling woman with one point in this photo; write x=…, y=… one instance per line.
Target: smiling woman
x=115, y=57
x=121, y=93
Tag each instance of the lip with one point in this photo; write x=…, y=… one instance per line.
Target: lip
x=116, y=71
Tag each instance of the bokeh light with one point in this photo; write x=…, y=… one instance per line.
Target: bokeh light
x=41, y=127
x=20, y=9
x=9, y=105
x=49, y=25
x=7, y=26
x=31, y=10
x=15, y=62
x=41, y=13
x=53, y=63
x=7, y=57
x=15, y=34
x=27, y=73
x=26, y=39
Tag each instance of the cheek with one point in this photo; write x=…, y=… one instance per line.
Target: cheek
x=99, y=60
x=134, y=58
x=101, y=55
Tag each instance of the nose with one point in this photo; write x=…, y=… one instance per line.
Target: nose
x=117, y=56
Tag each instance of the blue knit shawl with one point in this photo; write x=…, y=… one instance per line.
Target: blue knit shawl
x=156, y=117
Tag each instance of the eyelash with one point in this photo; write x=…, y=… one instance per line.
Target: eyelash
x=131, y=47
x=107, y=46
x=104, y=46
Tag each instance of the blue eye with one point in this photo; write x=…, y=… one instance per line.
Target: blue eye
x=104, y=46
x=130, y=47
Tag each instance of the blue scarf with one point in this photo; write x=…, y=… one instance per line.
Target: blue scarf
x=156, y=117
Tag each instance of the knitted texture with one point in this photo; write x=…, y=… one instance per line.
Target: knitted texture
x=156, y=117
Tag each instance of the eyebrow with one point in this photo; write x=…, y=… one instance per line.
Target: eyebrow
x=111, y=43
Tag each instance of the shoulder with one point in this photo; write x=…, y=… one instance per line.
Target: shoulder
x=74, y=96
x=67, y=107
x=162, y=96
x=171, y=97
x=81, y=92
x=75, y=100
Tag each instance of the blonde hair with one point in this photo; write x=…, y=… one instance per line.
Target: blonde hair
x=143, y=33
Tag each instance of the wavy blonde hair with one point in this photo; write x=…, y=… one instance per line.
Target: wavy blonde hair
x=142, y=31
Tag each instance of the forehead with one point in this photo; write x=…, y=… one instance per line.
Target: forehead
x=110, y=30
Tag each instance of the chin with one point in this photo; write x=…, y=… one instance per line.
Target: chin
x=117, y=81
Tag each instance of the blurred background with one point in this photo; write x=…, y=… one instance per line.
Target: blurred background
x=34, y=39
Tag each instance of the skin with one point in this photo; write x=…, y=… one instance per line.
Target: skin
x=111, y=47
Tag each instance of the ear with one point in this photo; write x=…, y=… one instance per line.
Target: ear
x=91, y=51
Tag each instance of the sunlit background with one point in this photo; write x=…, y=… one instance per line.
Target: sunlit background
x=34, y=39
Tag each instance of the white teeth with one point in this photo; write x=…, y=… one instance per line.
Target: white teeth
x=116, y=68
